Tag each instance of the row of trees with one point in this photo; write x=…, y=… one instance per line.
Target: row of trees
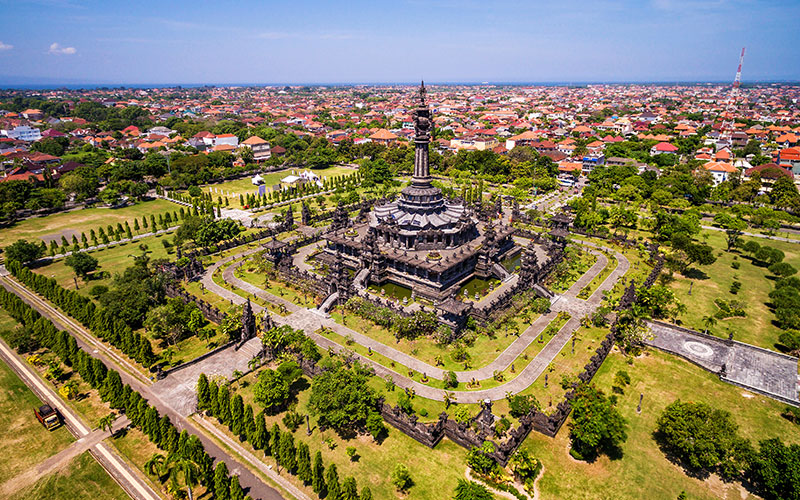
x=102, y=322
x=293, y=456
x=705, y=440
x=185, y=453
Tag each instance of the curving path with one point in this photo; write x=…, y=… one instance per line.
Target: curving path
x=310, y=322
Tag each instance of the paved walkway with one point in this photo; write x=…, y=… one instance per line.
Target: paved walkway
x=760, y=370
x=178, y=388
x=310, y=322
x=130, y=479
x=757, y=235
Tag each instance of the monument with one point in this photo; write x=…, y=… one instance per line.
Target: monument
x=422, y=241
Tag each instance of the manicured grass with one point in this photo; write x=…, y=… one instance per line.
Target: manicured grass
x=758, y=327
x=435, y=471
x=644, y=471
x=81, y=479
x=483, y=350
x=598, y=280
x=578, y=262
x=566, y=364
x=24, y=440
x=82, y=220
x=111, y=261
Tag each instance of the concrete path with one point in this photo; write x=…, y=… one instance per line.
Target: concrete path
x=760, y=370
x=757, y=235
x=178, y=389
x=128, y=478
x=310, y=322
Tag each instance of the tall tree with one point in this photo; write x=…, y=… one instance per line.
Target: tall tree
x=318, y=476
x=222, y=484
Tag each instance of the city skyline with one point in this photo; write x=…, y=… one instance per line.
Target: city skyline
x=49, y=43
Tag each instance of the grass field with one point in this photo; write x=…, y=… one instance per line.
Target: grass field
x=24, y=440
x=35, y=228
x=434, y=472
x=111, y=261
x=643, y=471
x=81, y=479
x=757, y=328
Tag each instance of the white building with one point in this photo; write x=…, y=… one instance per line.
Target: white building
x=24, y=133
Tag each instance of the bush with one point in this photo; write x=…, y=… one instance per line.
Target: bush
x=736, y=264
x=98, y=290
x=596, y=426
x=401, y=477
x=521, y=405
x=703, y=438
x=450, y=379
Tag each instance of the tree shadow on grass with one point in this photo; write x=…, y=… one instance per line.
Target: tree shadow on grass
x=695, y=274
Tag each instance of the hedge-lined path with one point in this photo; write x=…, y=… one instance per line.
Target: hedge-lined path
x=310, y=322
x=254, y=485
x=130, y=479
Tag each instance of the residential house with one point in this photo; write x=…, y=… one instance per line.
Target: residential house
x=663, y=148
x=720, y=171
x=260, y=147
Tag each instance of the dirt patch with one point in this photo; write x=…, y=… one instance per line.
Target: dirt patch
x=66, y=233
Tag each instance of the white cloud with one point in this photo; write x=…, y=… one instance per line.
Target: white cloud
x=5, y=46
x=58, y=49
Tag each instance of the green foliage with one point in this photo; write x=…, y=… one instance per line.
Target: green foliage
x=341, y=398
x=480, y=460
x=520, y=404
x=401, y=477
x=596, y=426
x=469, y=490
x=23, y=252
x=703, y=438
x=271, y=390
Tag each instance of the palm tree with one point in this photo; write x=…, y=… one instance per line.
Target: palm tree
x=107, y=422
x=709, y=321
x=449, y=397
x=184, y=468
x=155, y=465
x=680, y=309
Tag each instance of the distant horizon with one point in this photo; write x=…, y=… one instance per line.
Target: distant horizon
x=34, y=85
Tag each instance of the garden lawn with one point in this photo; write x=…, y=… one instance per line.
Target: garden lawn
x=482, y=352
x=82, y=220
x=644, y=471
x=566, y=364
x=111, y=261
x=435, y=472
x=80, y=479
x=758, y=327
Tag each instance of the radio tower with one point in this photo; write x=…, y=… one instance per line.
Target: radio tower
x=727, y=125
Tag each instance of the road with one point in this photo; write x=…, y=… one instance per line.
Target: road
x=128, y=478
x=253, y=485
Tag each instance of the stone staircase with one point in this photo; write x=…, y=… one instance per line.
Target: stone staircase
x=544, y=292
x=360, y=281
x=323, y=308
x=251, y=348
x=500, y=272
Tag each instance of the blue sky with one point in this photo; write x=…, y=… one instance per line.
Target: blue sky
x=297, y=41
